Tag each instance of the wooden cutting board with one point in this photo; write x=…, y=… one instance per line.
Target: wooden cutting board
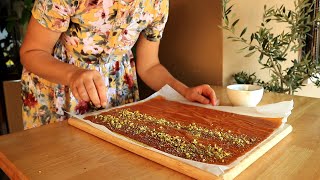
x=181, y=166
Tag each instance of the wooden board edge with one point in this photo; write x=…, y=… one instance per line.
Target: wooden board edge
x=166, y=161
x=10, y=169
x=235, y=171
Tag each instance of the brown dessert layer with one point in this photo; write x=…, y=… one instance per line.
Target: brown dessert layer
x=187, y=131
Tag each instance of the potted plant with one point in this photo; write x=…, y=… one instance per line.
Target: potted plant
x=273, y=48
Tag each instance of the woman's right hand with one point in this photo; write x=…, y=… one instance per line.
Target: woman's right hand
x=88, y=85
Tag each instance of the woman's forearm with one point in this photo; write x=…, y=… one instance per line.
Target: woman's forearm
x=157, y=76
x=35, y=54
x=86, y=85
x=46, y=66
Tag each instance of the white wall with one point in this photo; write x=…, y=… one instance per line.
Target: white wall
x=309, y=90
x=250, y=15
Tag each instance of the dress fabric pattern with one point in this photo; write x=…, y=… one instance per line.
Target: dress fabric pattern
x=95, y=34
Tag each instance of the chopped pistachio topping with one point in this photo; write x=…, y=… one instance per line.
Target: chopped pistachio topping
x=126, y=120
x=197, y=131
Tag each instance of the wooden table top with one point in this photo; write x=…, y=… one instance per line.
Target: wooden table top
x=60, y=151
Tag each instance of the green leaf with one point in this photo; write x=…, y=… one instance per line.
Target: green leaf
x=261, y=57
x=289, y=14
x=251, y=38
x=275, y=42
x=281, y=58
x=250, y=54
x=281, y=6
x=265, y=41
x=243, y=48
x=251, y=48
x=226, y=22
x=243, y=32
x=235, y=22
x=228, y=11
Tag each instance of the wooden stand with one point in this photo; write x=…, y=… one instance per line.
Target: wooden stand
x=176, y=164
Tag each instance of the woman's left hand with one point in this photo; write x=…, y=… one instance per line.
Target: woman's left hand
x=203, y=94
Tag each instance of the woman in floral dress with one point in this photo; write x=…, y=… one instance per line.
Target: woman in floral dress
x=77, y=57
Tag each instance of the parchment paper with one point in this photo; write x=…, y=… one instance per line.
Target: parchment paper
x=281, y=109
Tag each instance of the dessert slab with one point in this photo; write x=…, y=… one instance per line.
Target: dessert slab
x=194, y=169
x=181, y=166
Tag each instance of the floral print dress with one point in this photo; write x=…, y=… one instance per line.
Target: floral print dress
x=96, y=34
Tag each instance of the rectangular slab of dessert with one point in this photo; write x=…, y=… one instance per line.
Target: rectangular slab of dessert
x=190, y=132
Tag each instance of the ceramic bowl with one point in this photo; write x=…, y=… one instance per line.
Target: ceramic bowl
x=244, y=94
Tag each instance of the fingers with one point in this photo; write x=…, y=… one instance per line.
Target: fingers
x=83, y=93
x=75, y=92
x=92, y=92
x=208, y=92
x=201, y=99
x=79, y=92
x=101, y=88
x=88, y=85
x=203, y=94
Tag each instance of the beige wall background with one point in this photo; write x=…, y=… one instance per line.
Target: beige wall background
x=250, y=15
x=191, y=48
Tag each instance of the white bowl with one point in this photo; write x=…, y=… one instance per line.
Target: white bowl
x=244, y=94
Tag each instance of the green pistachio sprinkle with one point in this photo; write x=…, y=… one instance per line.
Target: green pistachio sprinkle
x=126, y=120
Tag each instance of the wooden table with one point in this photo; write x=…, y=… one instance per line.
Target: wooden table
x=60, y=151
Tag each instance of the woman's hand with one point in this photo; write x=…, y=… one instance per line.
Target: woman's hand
x=156, y=76
x=88, y=85
x=203, y=94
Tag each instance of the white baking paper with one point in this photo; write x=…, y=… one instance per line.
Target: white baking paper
x=281, y=109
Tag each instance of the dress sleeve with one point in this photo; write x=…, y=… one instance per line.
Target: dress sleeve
x=53, y=14
x=154, y=31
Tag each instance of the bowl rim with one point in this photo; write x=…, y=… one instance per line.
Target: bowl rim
x=258, y=86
